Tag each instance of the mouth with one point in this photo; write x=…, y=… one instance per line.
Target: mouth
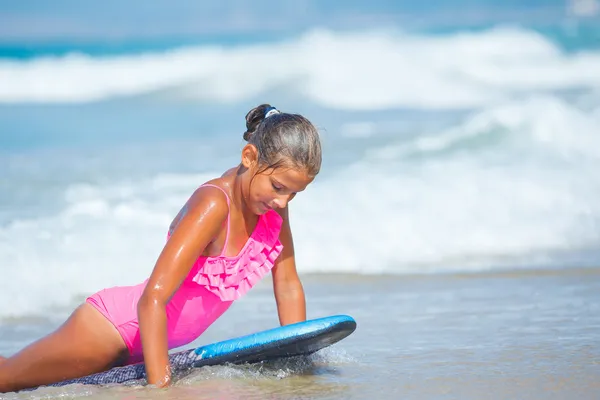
x=265, y=206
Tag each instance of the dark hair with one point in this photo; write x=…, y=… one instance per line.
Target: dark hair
x=283, y=139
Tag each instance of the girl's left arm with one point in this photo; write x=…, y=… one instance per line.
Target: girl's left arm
x=289, y=293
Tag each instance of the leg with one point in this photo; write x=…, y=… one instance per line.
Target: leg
x=85, y=344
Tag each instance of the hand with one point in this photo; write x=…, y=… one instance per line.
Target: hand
x=164, y=381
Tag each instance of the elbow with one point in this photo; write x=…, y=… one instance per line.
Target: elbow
x=149, y=303
x=290, y=286
x=290, y=291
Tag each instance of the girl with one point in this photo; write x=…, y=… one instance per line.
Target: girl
x=231, y=232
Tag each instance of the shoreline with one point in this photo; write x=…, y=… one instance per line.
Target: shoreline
x=491, y=273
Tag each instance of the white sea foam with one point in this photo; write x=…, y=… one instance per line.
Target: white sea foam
x=368, y=70
x=515, y=183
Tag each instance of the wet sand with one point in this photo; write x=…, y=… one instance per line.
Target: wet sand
x=526, y=335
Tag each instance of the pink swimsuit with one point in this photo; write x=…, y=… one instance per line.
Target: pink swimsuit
x=205, y=294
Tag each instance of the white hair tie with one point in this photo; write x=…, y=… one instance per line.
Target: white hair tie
x=271, y=111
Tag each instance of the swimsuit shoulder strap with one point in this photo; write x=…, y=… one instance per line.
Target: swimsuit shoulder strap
x=228, y=212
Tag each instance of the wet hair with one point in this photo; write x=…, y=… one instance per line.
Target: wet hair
x=283, y=139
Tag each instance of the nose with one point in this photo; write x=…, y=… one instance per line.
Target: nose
x=281, y=201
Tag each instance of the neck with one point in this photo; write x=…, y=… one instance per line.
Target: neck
x=240, y=178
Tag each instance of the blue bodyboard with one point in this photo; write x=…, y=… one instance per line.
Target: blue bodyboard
x=302, y=338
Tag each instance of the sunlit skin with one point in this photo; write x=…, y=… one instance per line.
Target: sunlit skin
x=88, y=343
x=200, y=229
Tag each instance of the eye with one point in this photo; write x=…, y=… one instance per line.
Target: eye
x=276, y=187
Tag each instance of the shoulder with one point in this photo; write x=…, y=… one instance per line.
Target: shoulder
x=208, y=200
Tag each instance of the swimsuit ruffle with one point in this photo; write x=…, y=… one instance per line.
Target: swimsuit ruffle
x=232, y=277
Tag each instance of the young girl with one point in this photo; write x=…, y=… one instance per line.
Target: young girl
x=231, y=232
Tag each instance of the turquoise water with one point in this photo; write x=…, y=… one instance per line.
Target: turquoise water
x=476, y=135
x=458, y=193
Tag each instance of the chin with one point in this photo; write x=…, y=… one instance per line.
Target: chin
x=256, y=209
x=260, y=209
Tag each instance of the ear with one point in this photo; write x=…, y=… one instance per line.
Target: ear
x=249, y=156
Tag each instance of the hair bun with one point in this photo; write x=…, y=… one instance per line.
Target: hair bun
x=254, y=119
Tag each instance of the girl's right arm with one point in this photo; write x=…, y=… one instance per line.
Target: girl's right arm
x=206, y=212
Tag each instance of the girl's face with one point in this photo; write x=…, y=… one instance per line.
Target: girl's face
x=273, y=188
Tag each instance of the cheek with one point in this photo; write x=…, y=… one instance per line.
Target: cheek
x=259, y=191
x=262, y=193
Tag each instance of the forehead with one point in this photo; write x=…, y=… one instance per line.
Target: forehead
x=292, y=178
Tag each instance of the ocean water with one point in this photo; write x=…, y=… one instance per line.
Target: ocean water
x=503, y=335
x=459, y=192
